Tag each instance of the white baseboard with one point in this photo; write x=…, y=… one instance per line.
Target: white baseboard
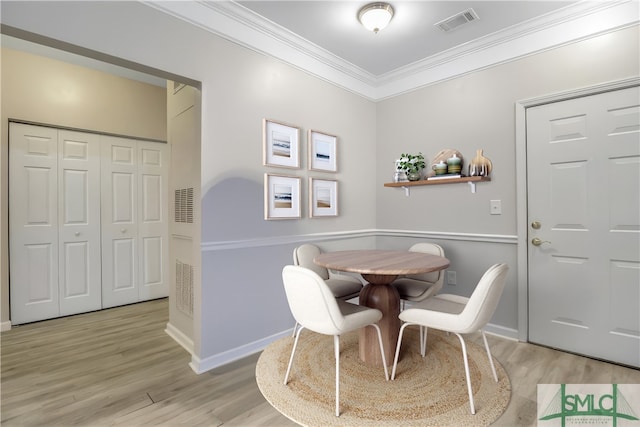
x=5, y=326
x=200, y=366
x=180, y=338
x=501, y=331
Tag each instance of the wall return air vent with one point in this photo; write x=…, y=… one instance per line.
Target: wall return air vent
x=184, y=205
x=457, y=20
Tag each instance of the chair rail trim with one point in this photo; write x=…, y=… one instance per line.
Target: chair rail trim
x=343, y=235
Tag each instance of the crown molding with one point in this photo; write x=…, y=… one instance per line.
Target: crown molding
x=571, y=24
x=240, y=25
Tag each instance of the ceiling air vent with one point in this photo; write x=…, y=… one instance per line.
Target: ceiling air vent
x=453, y=22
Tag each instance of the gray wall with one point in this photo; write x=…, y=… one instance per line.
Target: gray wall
x=245, y=281
x=241, y=305
x=473, y=112
x=477, y=111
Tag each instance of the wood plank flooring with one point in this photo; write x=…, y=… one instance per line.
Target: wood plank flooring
x=118, y=367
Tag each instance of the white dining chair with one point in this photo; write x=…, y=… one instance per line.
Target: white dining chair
x=342, y=286
x=315, y=308
x=458, y=315
x=418, y=287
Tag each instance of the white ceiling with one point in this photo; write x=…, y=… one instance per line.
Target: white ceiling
x=326, y=39
x=411, y=35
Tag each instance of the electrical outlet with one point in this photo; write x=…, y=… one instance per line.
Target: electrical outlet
x=451, y=278
x=496, y=207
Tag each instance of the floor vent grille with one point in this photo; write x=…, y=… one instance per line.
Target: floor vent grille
x=184, y=287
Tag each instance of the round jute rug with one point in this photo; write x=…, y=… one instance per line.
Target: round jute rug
x=429, y=391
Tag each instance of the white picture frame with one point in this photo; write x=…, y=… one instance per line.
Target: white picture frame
x=281, y=197
x=280, y=144
x=322, y=151
x=323, y=197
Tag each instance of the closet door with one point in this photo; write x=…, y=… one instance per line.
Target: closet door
x=119, y=221
x=79, y=222
x=134, y=220
x=54, y=206
x=33, y=222
x=153, y=170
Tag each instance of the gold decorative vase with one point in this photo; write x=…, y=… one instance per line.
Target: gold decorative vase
x=480, y=165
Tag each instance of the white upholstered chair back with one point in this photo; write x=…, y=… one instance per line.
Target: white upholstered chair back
x=419, y=287
x=303, y=256
x=484, y=299
x=311, y=301
x=435, y=277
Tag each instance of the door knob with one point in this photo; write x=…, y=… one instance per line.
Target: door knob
x=537, y=242
x=536, y=225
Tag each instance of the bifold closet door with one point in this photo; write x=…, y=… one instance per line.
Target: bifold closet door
x=80, y=284
x=54, y=218
x=134, y=220
x=153, y=212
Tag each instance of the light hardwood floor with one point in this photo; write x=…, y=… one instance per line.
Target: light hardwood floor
x=118, y=367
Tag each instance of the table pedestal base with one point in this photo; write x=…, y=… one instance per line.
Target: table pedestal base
x=379, y=294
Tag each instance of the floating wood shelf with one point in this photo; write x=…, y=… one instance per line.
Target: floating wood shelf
x=472, y=180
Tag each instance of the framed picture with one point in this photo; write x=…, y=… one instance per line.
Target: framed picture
x=281, y=145
x=322, y=152
x=281, y=196
x=323, y=197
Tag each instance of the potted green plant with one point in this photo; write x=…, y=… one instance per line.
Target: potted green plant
x=412, y=164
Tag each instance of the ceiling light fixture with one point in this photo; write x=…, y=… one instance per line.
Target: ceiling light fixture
x=375, y=16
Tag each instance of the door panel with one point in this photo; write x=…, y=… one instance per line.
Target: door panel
x=583, y=171
x=75, y=186
x=39, y=284
x=151, y=198
x=124, y=272
x=119, y=223
x=33, y=222
x=76, y=279
x=39, y=195
x=79, y=222
x=152, y=227
x=152, y=258
x=122, y=198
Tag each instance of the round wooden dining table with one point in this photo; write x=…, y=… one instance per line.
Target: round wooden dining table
x=380, y=268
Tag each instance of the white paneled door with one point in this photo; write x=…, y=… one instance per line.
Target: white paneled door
x=88, y=219
x=119, y=222
x=79, y=222
x=134, y=220
x=153, y=233
x=583, y=169
x=54, y=222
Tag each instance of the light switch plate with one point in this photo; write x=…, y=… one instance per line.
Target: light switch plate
x=496, y=207
x=451, y=278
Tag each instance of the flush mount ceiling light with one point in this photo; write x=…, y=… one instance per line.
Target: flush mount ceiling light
x=375, y=16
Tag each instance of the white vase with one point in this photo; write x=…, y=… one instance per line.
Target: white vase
x=400, y=176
